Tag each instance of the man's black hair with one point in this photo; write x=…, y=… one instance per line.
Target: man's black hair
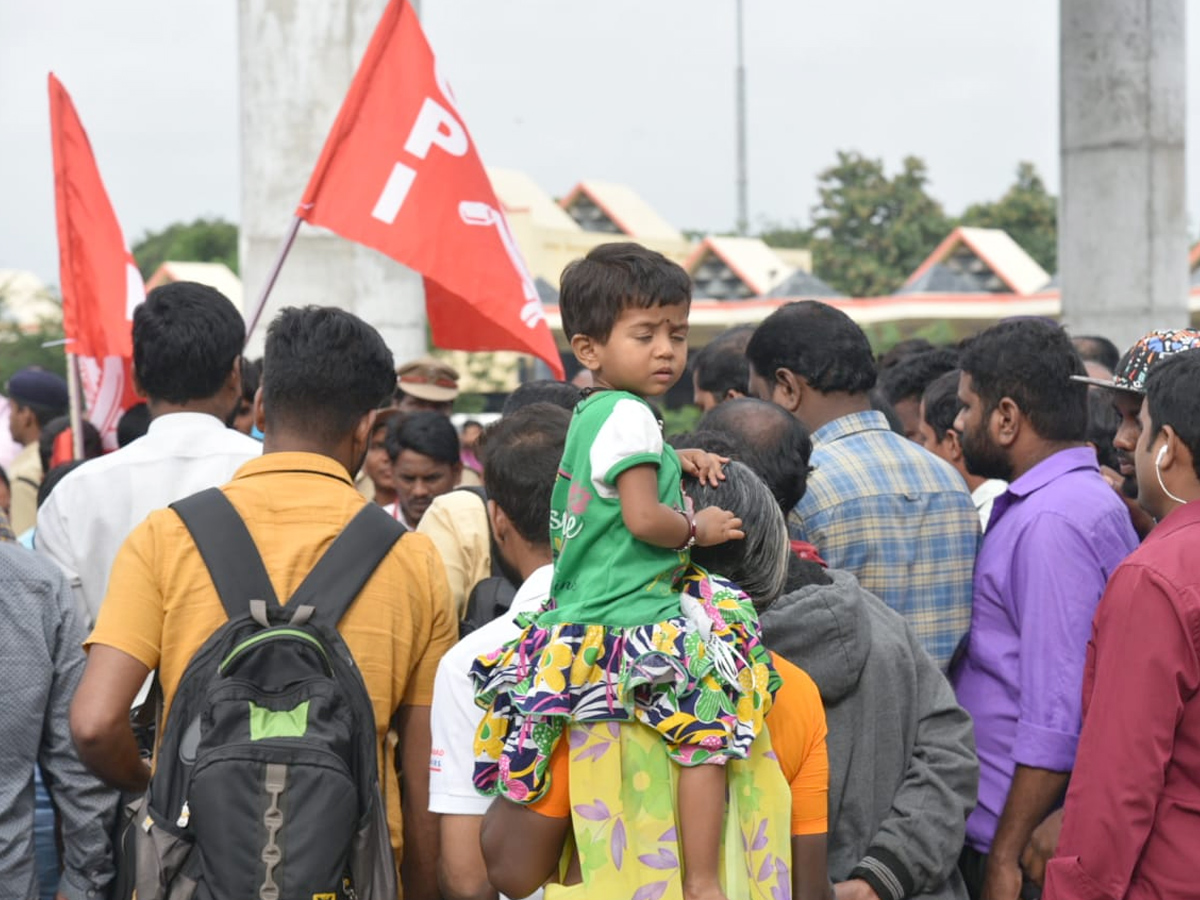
x=520, y=455
x=134, y=422
x=908, y=379
x=767, y=439
x=4, y=478
x=1103, y=422
x=1173, y=399
x=427, y=433
x=186, y=338
x=323, y=370
x=1031, y=361
x=612, y=278
x=722, y=365
x=1094, y=348
x=901, y=351
x=816, y=342
x=92, y=445
x=941, y=403
x=559, y=393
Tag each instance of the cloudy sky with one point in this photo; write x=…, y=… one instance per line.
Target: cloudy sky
x=636, y=91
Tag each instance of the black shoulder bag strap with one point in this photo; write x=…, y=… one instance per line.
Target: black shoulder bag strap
x=336, y=580
x=227, y=549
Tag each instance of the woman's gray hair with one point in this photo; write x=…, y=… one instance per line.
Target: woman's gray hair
x=758, y=564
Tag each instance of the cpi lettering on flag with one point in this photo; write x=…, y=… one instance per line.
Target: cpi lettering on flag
x=437, y=125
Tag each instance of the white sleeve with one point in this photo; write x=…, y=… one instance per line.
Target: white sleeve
x=53, y=539
x=453, y=720
x=629, y=437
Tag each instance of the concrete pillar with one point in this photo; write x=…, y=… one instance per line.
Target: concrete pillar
x=297, y=58
x=1122, y=227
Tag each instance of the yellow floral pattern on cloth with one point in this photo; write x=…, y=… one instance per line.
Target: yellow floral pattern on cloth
x=623, y=788
x=707, y=697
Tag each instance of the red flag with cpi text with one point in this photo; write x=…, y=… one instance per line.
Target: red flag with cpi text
x=400, y=173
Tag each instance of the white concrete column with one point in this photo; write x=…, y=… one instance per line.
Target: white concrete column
x=1122, y=227
x=297, y=58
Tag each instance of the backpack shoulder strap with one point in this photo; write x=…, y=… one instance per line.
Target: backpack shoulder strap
x=227, y=549
x=338, y=577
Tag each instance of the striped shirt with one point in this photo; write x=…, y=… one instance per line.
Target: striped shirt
x=897, y=517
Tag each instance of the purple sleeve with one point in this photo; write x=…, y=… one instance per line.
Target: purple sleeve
x=1057, y=582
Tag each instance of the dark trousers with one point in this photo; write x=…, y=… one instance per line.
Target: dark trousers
x=972, y=865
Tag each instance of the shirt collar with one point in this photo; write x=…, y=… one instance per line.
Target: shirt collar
x=1054, y=466
x=533, y=590
x=306, y=463
x=851, y=423
x=1179, y=517
x=184, y=421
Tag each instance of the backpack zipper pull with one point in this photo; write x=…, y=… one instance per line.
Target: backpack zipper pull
x=185, y=815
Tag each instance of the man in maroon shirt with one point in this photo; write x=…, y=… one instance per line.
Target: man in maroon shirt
x=1131, y=828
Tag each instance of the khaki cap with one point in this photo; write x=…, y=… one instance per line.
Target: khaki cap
x=428, y=379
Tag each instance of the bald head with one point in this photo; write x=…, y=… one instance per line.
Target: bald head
x=770, y=441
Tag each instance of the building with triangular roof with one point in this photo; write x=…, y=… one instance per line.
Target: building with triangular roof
x=802, y=285
x=977, y=261
x=601, y=206
x=735, y=268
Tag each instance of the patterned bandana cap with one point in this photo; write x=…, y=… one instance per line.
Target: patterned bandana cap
x=1136, y=363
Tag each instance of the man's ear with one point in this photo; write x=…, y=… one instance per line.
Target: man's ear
x=584, y=347
x=260, y=419
x=952, y=444
x=362, y=431
x=499, y=521
x=1174, y=451
x=788, y=389
x=734, y=394
x=1006, y=422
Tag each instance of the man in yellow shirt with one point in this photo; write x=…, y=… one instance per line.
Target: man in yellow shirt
x=325, y=374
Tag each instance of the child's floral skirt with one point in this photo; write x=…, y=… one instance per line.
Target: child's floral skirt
x=703, y=680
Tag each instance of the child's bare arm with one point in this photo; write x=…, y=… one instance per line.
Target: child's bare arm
x=656, y=523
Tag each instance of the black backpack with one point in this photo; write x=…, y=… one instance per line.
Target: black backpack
x=267, y=783
x=492, y=597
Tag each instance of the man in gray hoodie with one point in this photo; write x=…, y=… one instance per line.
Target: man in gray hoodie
x=902, y=764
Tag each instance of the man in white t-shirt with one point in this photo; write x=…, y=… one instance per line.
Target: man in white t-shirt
x=520, y=454
x=187, y=348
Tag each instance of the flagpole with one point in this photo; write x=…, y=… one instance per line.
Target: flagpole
x=261, y=303
x=76, y=407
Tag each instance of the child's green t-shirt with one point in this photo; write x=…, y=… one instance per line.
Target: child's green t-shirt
x=603, y=574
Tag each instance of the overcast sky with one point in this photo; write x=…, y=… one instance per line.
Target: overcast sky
x=636, y=91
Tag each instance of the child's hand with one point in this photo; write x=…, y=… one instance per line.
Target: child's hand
x=716, y=526
x=704, y=467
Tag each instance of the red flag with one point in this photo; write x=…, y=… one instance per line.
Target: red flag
x=100, y=284
x=400, y=173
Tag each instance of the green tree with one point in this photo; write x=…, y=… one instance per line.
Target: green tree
x=205, y=240
x=21, y=347
x=869, y=231
x=1028, y=212
x=785, y=235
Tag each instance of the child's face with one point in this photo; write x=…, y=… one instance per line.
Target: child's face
x=646, y=352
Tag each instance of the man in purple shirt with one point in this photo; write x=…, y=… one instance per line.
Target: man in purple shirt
x=1054, y=537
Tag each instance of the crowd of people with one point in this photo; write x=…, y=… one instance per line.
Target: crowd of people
x=923, y=624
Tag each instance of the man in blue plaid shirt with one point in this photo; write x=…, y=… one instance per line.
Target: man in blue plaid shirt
x=878, y=504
